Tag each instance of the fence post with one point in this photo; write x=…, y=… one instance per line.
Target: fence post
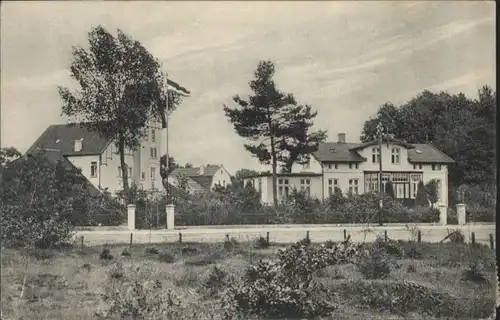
x=473, y=238
x=492, y=243
x=307, y=235
x=180, y=237
x=419, y=236
x=131, y=235
x=345, y=234
x=385, y=235
x=227, y=237
x=81, y=242
x=267, y=237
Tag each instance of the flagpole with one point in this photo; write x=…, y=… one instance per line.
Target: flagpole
x=166, y=135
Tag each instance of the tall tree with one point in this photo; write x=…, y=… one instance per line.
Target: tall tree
x=120, y=89
x=273, y=122
x=297, y=142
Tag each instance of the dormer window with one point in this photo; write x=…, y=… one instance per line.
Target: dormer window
x=395, y=158
x=436, y=167
x=78, y=145
x=306, y=165
x=375, y=155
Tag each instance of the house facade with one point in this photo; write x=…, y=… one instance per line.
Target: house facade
x=98, y=158
x=200, y=178
x=355, y=167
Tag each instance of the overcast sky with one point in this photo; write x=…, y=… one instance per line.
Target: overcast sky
x=343, y=58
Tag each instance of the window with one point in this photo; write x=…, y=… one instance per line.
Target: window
x=110, y=155
x=153, y=135
x=396, y=155
x=436, y=167
x=152, y=184
x=353, y=165
x=260, y=185
x=305, y=185
x=93, y=169
x=152, y=173
x=332, y=184
x=375, y=155
x=353, y=186
x=153, y=153
x=438, y=189
x=120, y=172
x=331, y=166
x=143, y=175
x=129, y=172
x=283, y=188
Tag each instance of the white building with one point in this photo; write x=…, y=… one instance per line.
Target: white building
x=98, y=158
x=354, y=167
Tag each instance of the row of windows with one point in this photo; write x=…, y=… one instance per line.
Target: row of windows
x=395, y=155
x=331, y=166
x=152, y=173
x=153, y=153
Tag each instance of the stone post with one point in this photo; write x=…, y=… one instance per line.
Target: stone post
x=461, y=213
x=170, y=216
x=131, y=217
x=443, y=214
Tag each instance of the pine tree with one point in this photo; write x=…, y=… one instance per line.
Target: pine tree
x=276, y=125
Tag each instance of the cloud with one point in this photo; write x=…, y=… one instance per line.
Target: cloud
x=343, y=58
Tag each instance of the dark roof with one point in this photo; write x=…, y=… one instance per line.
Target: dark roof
x=337, y=152
x=61, y=137
x=195, y=171
x=427, y=153
x=346, y=152
x=386, y=139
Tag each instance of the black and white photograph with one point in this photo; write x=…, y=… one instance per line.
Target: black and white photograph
x=231, y=160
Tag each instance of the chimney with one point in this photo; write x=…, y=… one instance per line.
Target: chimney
x=78, y=145
x=341, y=138
x=202, y=170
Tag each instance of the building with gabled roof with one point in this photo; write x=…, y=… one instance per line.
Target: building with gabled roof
x=355, y=167
x=98, y=159
x=200, y=178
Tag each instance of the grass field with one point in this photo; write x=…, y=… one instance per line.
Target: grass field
x=67, y=284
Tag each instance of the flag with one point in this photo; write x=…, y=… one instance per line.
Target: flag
x=175, y=87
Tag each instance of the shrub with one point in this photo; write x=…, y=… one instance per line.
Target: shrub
x=205, y=259
x=215, y=281
x=391, y=247
x=456, y=236
x=105, y=254
x=286, y=288
x=230, y=244
x=139, y=300
x=376, y=264
x=261, y=243
x=116, y=271
x=166, y=256
x=125, y=253
x=41, y=200
x=476, y=272
x=151, y=250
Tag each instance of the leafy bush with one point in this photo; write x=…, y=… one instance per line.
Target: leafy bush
x=286, y=288
x=166, y=256
x=151, y=250
x=139, y=300
x=476, y=272
x=215, y=281
x=261, y=243
x=391, y=247
x=376, y=264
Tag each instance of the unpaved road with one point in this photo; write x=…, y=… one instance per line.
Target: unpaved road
x=285, y=234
